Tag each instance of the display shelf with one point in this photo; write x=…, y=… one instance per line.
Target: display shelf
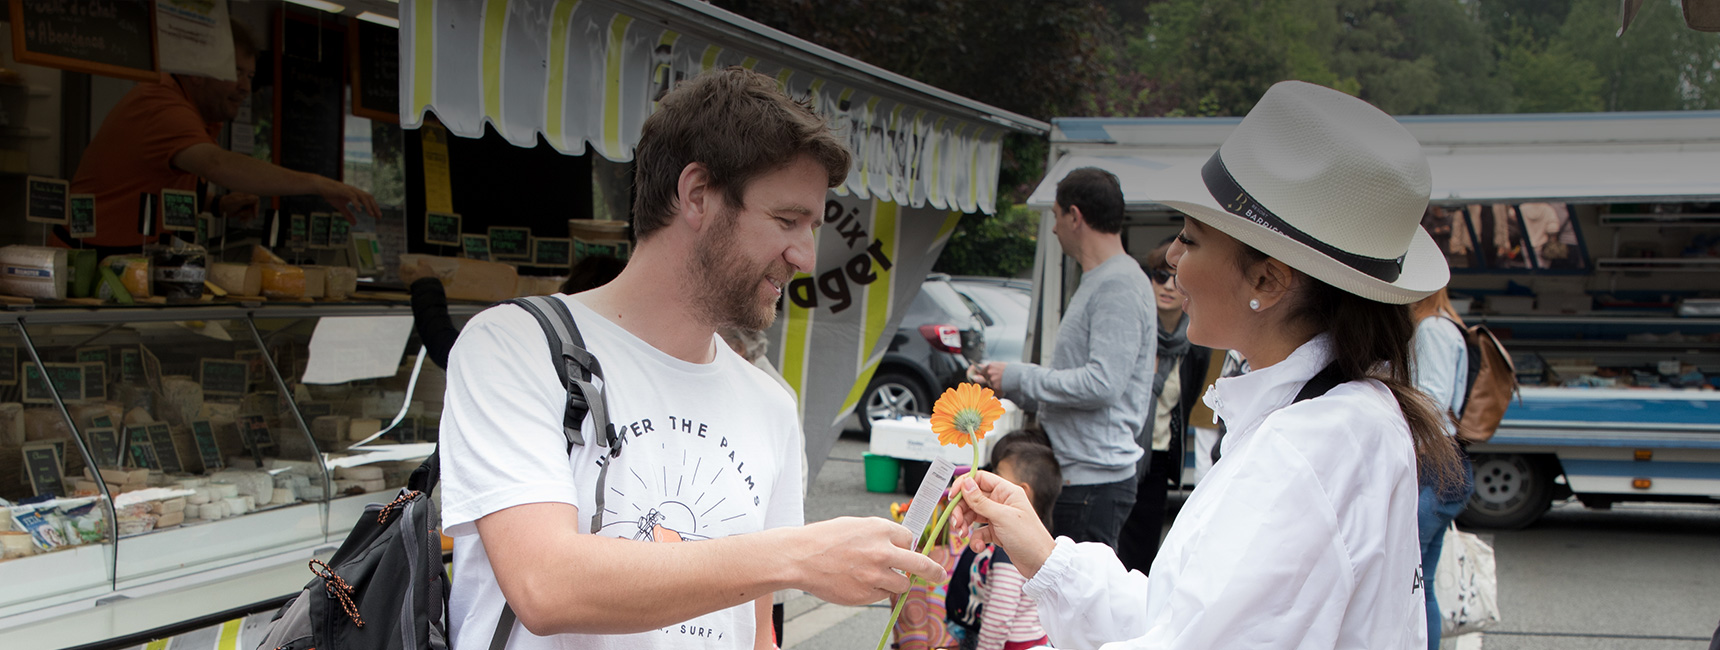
x=182, y=390
x=1659, y=264
x=202, y=546
x=56, y=577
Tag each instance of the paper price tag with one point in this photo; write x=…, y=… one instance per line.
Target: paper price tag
x=926, y=498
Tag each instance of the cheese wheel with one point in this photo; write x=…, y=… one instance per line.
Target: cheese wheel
x=241, y=279
x=235, y=506
x=34, y=272
x=282, y=281
x=197, y=498
x=223, y=491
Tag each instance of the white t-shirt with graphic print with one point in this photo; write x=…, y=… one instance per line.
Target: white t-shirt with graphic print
x=711, y=450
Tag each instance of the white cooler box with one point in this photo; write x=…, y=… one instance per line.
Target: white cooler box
x=911, y=438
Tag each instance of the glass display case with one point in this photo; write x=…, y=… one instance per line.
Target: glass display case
x=145, y=444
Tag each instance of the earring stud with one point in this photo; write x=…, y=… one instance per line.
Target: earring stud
x=1254, y=304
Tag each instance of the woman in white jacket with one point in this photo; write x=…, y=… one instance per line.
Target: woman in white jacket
x=1302, y=246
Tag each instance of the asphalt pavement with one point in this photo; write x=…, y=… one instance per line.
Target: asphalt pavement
x=1637, y=577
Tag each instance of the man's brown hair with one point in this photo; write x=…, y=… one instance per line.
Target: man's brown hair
x=740, y=126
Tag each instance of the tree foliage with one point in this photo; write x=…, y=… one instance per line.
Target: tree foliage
x=998, y=246
x=1050, y=58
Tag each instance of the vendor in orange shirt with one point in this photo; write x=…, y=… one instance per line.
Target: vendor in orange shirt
x=162, y=135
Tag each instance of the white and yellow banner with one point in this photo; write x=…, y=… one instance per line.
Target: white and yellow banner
x=836, y=323
x=585, y=73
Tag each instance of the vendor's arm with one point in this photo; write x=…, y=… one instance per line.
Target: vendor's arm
x=246, y=174
x=1114, y=332
x=506, y=479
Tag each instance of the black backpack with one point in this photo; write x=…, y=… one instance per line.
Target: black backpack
x=385, y=588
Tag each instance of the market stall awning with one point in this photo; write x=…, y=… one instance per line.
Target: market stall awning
x=1583, y=158
x=584, y=73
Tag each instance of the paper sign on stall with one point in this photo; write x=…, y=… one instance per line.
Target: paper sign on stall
x=344, y=349
x=193, y=37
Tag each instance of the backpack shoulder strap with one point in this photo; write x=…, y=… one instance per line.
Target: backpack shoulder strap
x=1322, y=381
x=575, y=367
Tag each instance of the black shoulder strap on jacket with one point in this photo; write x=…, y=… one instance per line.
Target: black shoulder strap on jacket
x=1322, y=381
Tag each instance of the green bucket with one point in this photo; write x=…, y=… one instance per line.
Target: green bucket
x=883, y=473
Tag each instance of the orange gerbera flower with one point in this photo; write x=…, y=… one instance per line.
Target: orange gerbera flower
x=965, y=414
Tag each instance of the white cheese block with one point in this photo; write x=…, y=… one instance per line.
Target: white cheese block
x=200, y=497
x=363, y=428
x=374, y=485
x=283, y=496
x=170, y=519
x=341, y=282
x=316, y=281
x=212, y=511
x=223, y=490
x=34, y=272
x=235, y=278
x=235, y=506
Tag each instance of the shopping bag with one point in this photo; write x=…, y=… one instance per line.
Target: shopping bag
x=1466, y=585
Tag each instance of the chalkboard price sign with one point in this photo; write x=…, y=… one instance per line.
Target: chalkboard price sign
x=511, y=244
x=339, y=232
x=68, y=379
x=42, y=462
x=142, y=452
x=476, y=247
x=82, y=216
x=130, y=365
x=407, y=431
x=179, y=210
x=225, y=377
x=442, y=228
x=8, y=365
x=166, y=454
x=115, y=38
x=207, y=450
x=375, y=71
x=319, y=230
x=548, y=251
x=95, y=380
x=95, y=353
x=104, y=443
x=46, y=201
x=255, y=432
x=298, y=231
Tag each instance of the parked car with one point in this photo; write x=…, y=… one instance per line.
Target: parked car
x=1004, y=305
x=941, y=334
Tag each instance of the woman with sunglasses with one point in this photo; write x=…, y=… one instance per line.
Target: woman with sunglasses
x=1177, y=379
x=1301, y=249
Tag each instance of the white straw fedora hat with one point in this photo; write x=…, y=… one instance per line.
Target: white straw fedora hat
x=1327, y=184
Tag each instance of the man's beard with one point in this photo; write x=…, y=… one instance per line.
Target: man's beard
x=726, y=290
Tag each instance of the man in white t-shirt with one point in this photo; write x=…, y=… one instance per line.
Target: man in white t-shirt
x=701, y=512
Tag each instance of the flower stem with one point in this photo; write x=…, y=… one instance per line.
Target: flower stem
x=925, y=549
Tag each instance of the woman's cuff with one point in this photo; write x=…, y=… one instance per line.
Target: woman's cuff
x=1052, y=572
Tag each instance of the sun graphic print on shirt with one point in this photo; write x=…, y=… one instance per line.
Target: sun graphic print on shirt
x=693, y=486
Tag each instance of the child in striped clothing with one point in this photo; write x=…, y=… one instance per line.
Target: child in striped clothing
x=1007, y=618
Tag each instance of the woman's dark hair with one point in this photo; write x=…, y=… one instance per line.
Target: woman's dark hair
x=1375, y=344
x=591, y=272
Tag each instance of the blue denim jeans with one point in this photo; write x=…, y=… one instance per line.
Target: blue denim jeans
x=1434, y=513
x=1093, y=513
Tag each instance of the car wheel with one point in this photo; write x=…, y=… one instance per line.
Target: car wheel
x=1511, y=491
x=890, y=396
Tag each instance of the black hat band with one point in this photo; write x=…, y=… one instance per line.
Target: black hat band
x=1239, y=202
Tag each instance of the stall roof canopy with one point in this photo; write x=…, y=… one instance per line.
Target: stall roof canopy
x=1574, y=157
x=588, y=72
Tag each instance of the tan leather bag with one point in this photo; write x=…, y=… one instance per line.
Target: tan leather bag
x=1491, y=384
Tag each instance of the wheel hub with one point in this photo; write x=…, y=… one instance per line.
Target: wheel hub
x=891, y=402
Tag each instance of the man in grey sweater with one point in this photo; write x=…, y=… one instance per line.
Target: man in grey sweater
x=1097, y=393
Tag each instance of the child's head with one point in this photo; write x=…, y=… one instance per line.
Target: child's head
x=1032, y=466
